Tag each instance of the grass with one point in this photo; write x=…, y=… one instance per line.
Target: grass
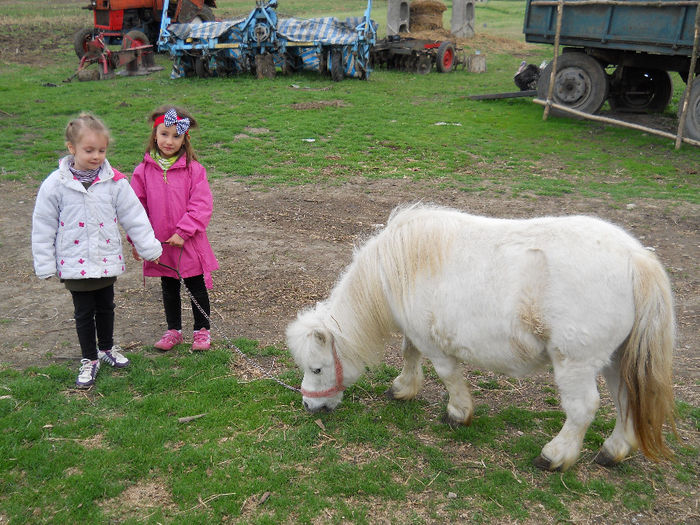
x=69, y=456
x=118, y=452
x=396, y=125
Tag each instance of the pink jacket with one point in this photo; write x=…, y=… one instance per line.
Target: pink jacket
x=182, y=205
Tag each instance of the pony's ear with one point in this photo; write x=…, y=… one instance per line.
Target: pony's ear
x=321, y=336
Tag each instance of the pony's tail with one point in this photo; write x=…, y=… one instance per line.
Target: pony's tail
x=647, y=354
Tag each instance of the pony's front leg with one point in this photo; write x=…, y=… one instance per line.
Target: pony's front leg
x=460, y=406
x=580, y=400
x=409, y=382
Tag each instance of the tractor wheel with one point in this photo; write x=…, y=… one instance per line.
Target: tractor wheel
x=81, y=39
x=638, y=90
x=424, y=65
x=446, y=57
x=201, y=67
x=337, y=72
x=691, y=128
x=580, y=83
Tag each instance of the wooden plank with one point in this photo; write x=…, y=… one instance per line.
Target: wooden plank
x=607, y=120
x=513, y=94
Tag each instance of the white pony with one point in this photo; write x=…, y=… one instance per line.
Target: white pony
x=510, y=296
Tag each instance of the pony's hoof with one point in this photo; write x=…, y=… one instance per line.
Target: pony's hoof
x=454, y=424
x=390, y=394
x=604, y=459
x=543, y=463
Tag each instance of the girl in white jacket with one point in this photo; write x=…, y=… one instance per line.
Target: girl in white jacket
x=75, y=235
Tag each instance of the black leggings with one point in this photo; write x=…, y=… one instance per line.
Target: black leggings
x=173, y=304
x=94, y=314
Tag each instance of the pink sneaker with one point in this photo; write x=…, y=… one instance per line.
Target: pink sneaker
x=202, y=340
x=169, y=339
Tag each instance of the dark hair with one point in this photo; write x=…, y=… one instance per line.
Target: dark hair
x=190, y=155
x=79, y=124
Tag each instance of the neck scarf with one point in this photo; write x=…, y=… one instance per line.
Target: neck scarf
x=164, y=162
x=83, y=175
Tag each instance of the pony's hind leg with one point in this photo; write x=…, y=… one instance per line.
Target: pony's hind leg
x=580, y=400
x=622, y=441
x=409, y=382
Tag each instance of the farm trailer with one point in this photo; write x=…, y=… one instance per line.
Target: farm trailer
x=640, y=41
x=416, y=55
x=260, y=43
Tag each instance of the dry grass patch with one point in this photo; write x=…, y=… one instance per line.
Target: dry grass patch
x=140, y=500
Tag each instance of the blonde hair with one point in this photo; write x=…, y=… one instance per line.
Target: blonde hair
x=78, y=125
x=187, y=148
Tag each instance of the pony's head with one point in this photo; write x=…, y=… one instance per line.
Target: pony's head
x=314, y=349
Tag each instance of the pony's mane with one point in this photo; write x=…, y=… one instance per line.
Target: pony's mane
x=377, y=284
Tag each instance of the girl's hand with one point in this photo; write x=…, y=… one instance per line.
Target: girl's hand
x=176, y=241
x=135, y=254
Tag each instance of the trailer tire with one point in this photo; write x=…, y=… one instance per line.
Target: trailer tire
x=337, y=72
x=201, y=67
x=691, y=128
x=81, y=39
x=580, y=83
x=640, y=90
x=445, y=60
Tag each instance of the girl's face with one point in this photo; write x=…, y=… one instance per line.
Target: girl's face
x=90, y=150
x=168, y=141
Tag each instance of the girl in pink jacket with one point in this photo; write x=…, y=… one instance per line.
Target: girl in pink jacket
x=173, y=188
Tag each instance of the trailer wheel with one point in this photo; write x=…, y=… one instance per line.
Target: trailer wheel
x=446, y=57
x=134, y=38
x=81, y=39
x=640, y=90
x=580, y=83
x=691, y=129
x=337, y=72
x=201, y=67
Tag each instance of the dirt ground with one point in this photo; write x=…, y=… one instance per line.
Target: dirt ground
x=282, y=249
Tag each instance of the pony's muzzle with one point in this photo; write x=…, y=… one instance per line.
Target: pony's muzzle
x=313, y=409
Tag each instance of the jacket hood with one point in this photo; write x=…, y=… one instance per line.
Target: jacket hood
x=106, y=171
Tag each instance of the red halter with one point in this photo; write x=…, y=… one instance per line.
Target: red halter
x=339, y=387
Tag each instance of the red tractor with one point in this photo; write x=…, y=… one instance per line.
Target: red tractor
x=135, y=23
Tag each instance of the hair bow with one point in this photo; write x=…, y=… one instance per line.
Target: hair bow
x=181, y=124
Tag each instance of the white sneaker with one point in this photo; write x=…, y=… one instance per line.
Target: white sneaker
x=87, y=374
x=113, y=357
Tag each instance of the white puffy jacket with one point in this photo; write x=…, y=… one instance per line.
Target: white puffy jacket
x=75, y=231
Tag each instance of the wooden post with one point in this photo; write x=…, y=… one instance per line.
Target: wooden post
x=691, y=75
x=550, y=89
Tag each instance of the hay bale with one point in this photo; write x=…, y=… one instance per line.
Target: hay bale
x=426, y=15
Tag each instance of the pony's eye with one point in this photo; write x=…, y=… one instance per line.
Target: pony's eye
x=316, y=370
